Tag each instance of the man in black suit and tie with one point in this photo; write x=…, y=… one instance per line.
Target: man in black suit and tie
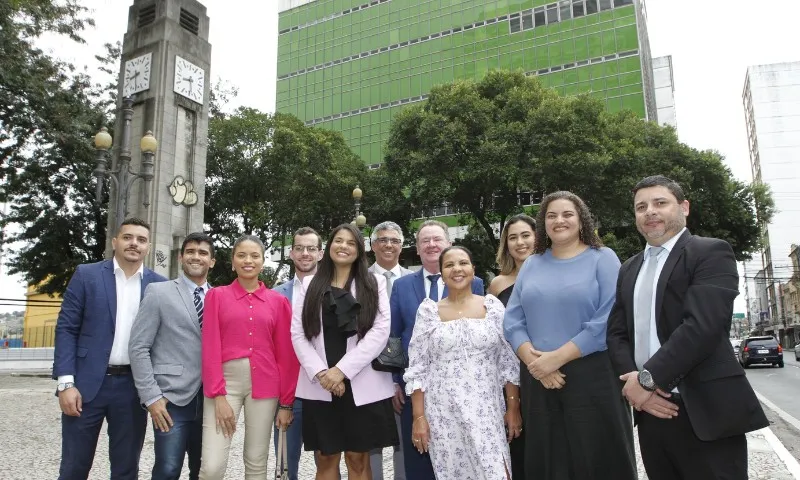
x=668, y=337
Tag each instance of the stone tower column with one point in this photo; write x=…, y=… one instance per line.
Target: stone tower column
x=166, y=70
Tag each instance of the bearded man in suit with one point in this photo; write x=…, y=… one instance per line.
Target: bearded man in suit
x=668, y=340
x=165, y=356
x=91, y=360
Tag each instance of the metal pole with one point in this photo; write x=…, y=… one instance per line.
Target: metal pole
x=124, y=164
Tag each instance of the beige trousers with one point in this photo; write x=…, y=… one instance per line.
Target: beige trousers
x=258, y=419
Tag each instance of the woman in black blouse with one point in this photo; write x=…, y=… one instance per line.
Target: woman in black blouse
x=516, y=245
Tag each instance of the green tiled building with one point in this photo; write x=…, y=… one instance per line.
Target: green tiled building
x=349, y=65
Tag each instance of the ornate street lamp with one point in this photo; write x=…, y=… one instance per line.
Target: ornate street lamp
x=123, y=176
x=359, y=220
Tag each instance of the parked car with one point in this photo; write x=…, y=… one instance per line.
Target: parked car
x=761, y=350
x=736, y=343
x=797, y=352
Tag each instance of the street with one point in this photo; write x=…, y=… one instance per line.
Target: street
x=30, y=437
x=779, y=389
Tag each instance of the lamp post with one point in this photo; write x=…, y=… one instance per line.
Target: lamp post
x=359, y=220
x=123, y=176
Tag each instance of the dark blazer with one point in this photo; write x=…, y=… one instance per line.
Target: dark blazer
x=694, y=306
x=286, y=288
x=86, y=325
x=407, y=294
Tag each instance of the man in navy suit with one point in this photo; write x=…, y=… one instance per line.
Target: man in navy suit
x=407, y=294
x=306, y=252
x=92, y=364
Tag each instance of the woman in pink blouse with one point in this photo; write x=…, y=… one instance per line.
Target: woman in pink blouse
x=343, y=326
x=248, y=361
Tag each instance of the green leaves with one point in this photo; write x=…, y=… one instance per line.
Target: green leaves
x=269, y=175
x=475, y=145
x=48, y=114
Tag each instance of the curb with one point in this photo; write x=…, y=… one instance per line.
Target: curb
x=788, y=460
x=31, y=374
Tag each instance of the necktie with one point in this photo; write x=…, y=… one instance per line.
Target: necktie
x=198, y=305
x=643, y=309
x=434, y=294
x=389, y=282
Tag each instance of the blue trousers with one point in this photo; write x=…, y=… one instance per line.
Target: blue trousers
x=418, y=466
x=184, y=437
x=294, y=439
x=117, y=402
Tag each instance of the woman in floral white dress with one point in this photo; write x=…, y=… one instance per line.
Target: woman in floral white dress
x=458, y=360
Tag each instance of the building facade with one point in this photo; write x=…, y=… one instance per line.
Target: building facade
x=771, y=100
x=664, y=81
x=350, y=65
x=41, y=314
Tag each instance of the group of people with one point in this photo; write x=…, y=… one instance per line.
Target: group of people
x=537, y=378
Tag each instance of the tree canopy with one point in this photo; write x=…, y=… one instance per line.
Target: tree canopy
x=268, y=175
x=48, y=114
x=478, y=145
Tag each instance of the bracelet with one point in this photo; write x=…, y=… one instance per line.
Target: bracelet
x=512, y=397
x=415, y=420
x=285, y=407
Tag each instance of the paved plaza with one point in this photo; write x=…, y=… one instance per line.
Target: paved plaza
x=30, y=441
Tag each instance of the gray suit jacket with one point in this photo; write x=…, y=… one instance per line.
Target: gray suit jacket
x=165, y=344
x=403, y=273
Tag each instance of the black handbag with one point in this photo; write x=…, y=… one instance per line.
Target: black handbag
x=393, y=358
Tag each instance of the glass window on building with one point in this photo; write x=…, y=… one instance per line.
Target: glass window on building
x=539, y=17
x=578, y=9
x=514, y=25
x=605, y=5
x=591, y=7
x=621, y=3
x=552, y=13
x=565, y=9
x=527, y=19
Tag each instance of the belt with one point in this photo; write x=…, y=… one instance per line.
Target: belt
x=118, y=370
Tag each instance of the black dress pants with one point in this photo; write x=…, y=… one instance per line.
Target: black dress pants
x=671, y=451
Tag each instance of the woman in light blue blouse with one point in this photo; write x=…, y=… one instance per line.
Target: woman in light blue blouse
x=577, y=424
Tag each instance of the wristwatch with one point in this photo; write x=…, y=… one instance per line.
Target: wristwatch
x=65, y=386
x=646, y=381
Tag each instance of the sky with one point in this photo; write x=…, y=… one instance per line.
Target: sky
x=712, y=43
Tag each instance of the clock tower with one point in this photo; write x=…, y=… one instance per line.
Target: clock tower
x=165, y=69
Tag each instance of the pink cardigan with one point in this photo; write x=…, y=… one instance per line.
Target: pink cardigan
x=368, y=384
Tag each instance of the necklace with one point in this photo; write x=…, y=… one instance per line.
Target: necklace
x=458, y=306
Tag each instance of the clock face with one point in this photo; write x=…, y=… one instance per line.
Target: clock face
x=136, y=77
x=189, y=80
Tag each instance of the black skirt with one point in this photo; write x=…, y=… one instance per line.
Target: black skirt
x=582, y=431
x=340, y=425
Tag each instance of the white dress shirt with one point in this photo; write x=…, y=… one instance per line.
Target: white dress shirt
x=655, y=343
x=297, y=290
x=191, y=286
x=129, y=293
x=425, y=274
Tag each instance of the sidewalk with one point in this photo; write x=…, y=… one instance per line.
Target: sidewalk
x=30, y=436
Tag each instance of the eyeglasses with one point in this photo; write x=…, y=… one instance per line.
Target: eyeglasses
x=387, y=240
x=301, y=248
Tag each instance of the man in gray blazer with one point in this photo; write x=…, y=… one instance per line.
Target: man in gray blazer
x=387, y=243
x=165, y=359
x=306, y=252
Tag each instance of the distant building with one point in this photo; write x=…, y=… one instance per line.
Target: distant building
x=664, y=82
x=791, y=300
x=41, y=314
x=351, y=65
x=771, y=99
